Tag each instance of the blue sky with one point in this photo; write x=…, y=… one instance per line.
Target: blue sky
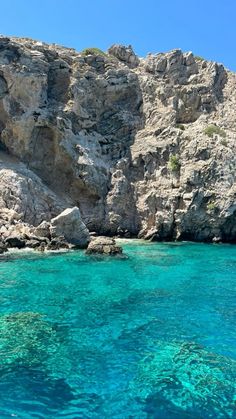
x=206, y=27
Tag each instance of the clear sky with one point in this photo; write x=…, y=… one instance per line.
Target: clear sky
x=206, y=27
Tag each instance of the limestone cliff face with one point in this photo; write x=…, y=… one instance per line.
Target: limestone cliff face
x=142, y=146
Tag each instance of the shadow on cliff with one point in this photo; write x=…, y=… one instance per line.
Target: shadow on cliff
x=114, y=114
x=118, y=125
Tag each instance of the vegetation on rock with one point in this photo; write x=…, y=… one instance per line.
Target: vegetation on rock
x=180, y=126
x=211, y=206
x=199, y=58
x=214, y=129
x=174, y=163
x=92, y=51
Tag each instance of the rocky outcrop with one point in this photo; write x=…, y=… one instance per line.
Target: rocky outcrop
x=23, y=195
x=70, y=225
x=65, y=231
x=142, y=146
x=124, y=54
x=43, y=230
x=103, y=246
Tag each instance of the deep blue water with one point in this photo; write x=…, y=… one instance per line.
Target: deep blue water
x=151, y=335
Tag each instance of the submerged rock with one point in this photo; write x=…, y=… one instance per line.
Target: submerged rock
x=186, y=377
x=103, y=245
x=26, y=339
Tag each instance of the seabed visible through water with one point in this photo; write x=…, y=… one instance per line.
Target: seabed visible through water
x=151, y=335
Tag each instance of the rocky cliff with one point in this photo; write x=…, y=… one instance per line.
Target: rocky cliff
x=144, y=147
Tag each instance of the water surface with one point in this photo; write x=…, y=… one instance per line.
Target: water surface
x=148, y=336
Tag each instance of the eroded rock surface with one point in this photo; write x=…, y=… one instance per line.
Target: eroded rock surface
x=103, y=246
x=126, y=140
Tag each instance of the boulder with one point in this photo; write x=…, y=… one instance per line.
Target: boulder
x=103, y=245
x=43, y=229
x=33, y=244
x=15, y=241
x=41, y=248
x=36, y=242
x=69, y=224
x=58, y=243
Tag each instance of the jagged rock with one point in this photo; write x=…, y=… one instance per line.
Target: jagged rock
x=41, y=247
x=70, y=225
x=33, y=244
x=100, y=132
x=103, y=245
x=58, y=243
x=23, y=193
x=42, y=230
x=173, y=66
x=124, y=54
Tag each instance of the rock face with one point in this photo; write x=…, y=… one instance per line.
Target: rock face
x=70, y=225
x=103, y=245
x=144, y=147
x=124, y=54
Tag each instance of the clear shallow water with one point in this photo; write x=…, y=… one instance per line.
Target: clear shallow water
x=151, y=336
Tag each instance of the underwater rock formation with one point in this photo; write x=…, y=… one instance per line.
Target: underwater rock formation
x=26, y=340
x=189, y=379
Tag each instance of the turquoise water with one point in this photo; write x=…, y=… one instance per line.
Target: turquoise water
x=151, y=335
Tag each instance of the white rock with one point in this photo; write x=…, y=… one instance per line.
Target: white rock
x=70, y=225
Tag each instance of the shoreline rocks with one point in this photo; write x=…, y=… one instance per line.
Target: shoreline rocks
x=66, y=231
x=69, y=224
x=15, y=241
x=103, y=246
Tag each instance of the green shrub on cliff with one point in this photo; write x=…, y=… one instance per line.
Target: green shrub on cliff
x=224, y=142
x=180, y=126
x=174, y=163
x=92, y=51
x=211, y=206
x=213, y=129
x=199, y=58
